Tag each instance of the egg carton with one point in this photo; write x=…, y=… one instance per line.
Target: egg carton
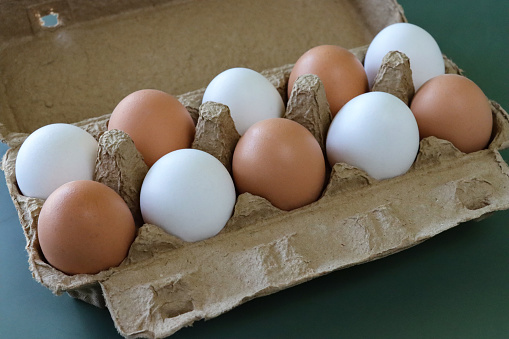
x=165, y=284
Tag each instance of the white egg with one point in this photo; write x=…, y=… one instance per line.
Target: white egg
x=52, y=156
x=375, y=132
x=189, y=194
x=249, y=95
x=419, y=46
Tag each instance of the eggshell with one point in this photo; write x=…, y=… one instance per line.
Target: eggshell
x=248, y=94
x=375, y=132
x=156, y=121
x=189, y=194
x=85, y=227
x=280, y=160
x=341, y=73
x=419, y=46
x=453, y=108
x=52, y=156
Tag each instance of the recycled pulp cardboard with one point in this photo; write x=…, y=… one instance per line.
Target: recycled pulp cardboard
x=78, y=72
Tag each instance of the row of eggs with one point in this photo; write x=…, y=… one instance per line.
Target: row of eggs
x=191, y=195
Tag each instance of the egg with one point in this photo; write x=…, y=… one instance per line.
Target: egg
x=281, y=161
x=249, y=95
x=156, y=121
x=189, y=194
x=453, y=108
x=341, y=73
x=419, y=46
x=85, y=227
x=52, y=156
x=375, y=132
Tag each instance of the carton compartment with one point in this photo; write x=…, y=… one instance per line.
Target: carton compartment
x=165, y=283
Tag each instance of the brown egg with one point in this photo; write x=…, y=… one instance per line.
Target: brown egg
x=156, y=121
x=85, y=227
x=280, y=160
x=341, y=73
x=453, y=108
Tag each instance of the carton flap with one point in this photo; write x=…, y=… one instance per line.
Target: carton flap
x=160, y=295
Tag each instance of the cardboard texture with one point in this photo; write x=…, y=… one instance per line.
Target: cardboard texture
x=165, y=284
x=395, y=77
x=308, y=106
x=216, y=133
x=120, y=166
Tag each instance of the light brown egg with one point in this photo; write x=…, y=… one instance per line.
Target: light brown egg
x=341, y=73
x=156, y=121
x=453, y=108
x=85, y=227
x=280, y=160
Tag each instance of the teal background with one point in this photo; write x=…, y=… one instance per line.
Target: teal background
x=455, y=285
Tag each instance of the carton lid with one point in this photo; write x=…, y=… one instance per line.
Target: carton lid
x=101, y=51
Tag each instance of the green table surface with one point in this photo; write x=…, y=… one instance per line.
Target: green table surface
x=455, y=285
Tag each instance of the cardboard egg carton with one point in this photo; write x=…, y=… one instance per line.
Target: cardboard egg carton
x=165, y=284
